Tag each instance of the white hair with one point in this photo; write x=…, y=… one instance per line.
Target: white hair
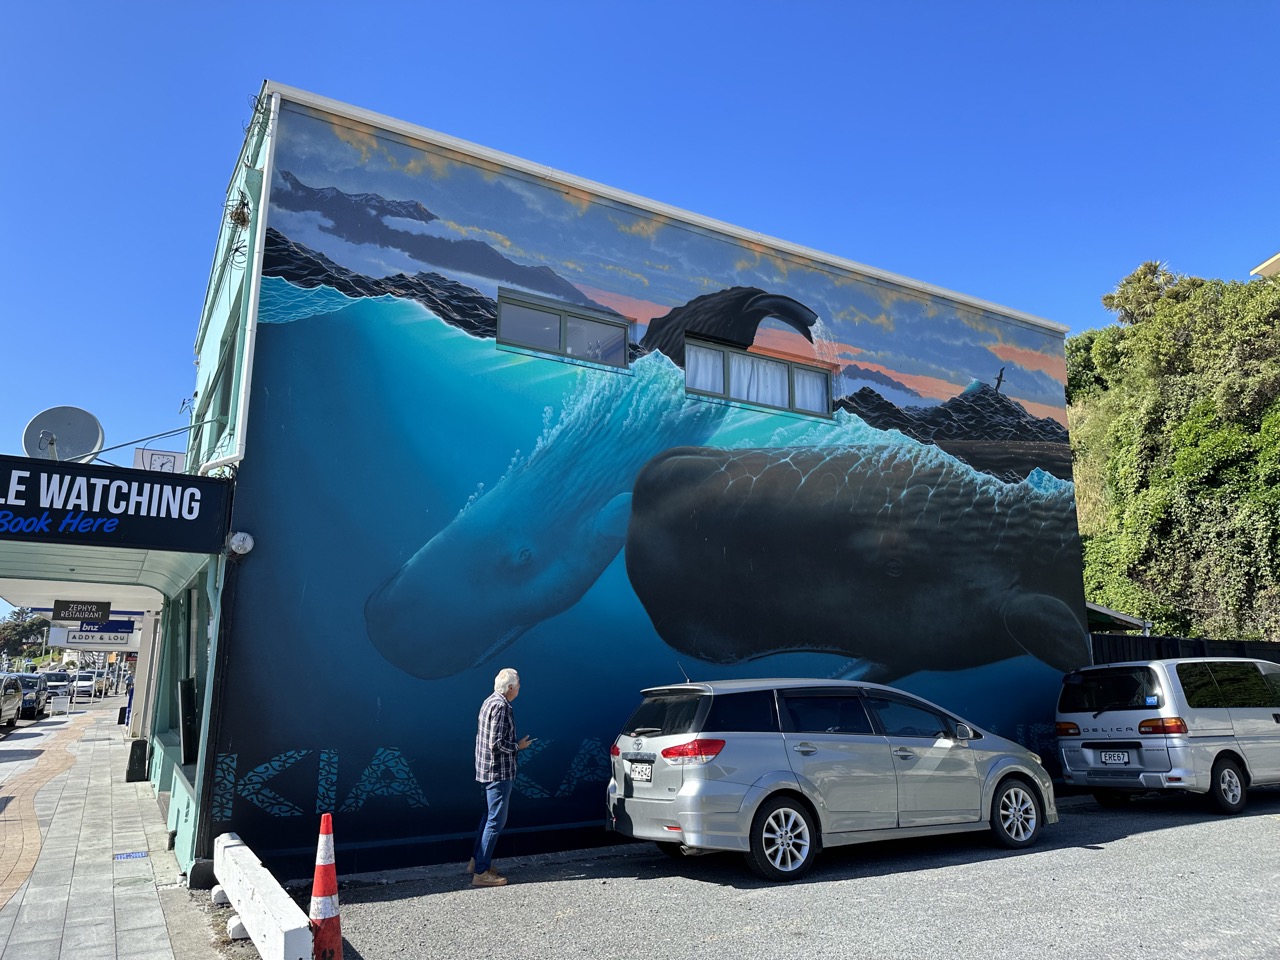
x=505, y=680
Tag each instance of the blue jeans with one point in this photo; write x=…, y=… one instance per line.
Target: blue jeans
x=497, y=794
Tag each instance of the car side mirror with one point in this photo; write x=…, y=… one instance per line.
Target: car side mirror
x=964, y=731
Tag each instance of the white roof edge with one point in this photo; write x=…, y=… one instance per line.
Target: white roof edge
x=1267, y=268
x=653, y=206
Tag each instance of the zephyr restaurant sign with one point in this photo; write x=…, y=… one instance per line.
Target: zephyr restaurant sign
x=80, y=609
x=59, y=502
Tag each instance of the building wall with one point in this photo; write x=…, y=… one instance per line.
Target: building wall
x=429, y=505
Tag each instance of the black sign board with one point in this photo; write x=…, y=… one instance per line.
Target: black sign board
x=81, y=610
x=50, y=501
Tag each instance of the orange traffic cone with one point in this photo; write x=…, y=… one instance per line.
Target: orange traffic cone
x=326, y=926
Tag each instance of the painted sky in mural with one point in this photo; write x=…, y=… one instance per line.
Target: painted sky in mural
x=913, y=349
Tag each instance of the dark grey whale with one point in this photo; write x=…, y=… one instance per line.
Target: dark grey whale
x=530, y=547
x=894, y=553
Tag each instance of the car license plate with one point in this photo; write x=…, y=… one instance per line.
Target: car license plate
x=1115, y=756
x=642, y=772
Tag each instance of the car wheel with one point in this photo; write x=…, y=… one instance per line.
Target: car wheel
x=784, y=840
x=1227, y=789
x=1112, y=799
x=1015, y=814
x=673, y=850
x=13, y=721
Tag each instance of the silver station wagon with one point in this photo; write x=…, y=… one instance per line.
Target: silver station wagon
x=1197, y=725
x=778, y=769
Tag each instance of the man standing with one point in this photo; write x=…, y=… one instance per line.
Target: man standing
x=496, y=749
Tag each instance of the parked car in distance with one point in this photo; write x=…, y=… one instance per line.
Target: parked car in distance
x=84, y=684
x=1198, y=725
x=35, y=695
x=778, y=769
x=59, y=683
x=10, y=699
x=101, y=682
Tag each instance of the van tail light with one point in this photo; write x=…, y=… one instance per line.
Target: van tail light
x=1163, y=725
x=695, y=751
x=615, y=751
x=1067, y=729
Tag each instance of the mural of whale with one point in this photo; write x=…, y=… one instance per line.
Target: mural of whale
x=894, y=553
x=530, y=547
x=733, y=316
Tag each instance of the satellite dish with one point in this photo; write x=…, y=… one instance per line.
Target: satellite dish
x=63, y=433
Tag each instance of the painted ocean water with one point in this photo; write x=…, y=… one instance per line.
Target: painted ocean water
x=383, y=424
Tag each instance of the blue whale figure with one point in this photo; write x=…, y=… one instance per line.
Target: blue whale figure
x=892, y=553
x=530, y=547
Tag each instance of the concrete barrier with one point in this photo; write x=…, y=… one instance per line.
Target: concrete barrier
x=276, y=925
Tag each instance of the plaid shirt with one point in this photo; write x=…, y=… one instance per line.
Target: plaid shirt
x=496, y=740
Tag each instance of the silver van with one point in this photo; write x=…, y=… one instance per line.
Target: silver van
x=1202, y=725
x=778, y=769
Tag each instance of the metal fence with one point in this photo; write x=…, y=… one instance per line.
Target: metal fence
x=1116, y=648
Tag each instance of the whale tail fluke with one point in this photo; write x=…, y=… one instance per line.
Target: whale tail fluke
x=1041, y=625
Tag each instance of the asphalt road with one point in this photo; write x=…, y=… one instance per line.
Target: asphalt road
x=1164, y=879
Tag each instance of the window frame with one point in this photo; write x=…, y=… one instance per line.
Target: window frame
x=565, y=311
x=726, y=394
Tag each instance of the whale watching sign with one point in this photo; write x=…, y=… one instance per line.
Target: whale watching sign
x=59, y=502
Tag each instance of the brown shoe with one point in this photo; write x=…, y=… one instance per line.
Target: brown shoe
x=488, y=879
x=471, y=865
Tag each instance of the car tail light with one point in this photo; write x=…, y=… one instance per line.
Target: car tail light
x=615, y=751
x=1067, y=729
x=695, y=751
x=1163, y=725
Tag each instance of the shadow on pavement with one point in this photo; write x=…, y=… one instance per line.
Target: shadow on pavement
x=1083, y=825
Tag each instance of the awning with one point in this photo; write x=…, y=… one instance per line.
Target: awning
x=1105, y=620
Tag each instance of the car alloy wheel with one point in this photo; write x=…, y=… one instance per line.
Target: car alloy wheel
x=783, y=840
x=1227, y=791
x=1015, y=815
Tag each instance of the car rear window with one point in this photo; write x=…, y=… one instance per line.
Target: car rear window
x=664, y=714
x=1112, y=688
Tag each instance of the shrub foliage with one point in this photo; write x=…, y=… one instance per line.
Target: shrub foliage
x=1175, y=422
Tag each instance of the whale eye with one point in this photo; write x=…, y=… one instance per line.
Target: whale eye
x=524, y=556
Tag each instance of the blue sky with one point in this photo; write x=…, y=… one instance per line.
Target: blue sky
x=1030, y=154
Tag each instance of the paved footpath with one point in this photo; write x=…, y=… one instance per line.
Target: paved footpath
x=85, y=869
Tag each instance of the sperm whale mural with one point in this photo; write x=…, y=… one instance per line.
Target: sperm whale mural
x=866, y=551
x=530, y=547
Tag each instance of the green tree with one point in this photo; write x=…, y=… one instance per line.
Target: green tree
x=1175, y=419
x=20, y=630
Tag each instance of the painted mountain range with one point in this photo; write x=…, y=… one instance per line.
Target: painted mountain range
x=362, y=218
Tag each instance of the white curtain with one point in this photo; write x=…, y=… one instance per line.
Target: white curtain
x=703, y=369
x=757, y=380
x=813, y=391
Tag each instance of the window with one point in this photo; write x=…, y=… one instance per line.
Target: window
x=1198, y=684
x=901, y=719
x=664, y=715
x=826, y=713
x=551, y=327
x=1243, y=686
x=748, y=712
x=1114, y=688
x=722, y=371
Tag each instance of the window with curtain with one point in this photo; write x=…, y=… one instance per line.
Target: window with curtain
x=703, y=369
x=738, y=375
